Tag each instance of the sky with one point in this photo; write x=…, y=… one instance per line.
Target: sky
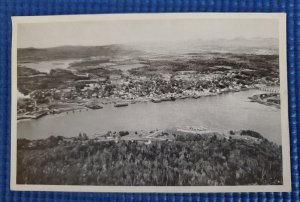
x=44, y=35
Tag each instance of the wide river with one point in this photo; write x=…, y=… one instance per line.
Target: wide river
x=231, y=111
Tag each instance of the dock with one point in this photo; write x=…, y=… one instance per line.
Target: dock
x=33, y=115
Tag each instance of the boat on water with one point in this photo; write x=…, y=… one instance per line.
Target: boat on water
x=94, y=106
x=122, y=104
x=155, y=100
x=165, y=99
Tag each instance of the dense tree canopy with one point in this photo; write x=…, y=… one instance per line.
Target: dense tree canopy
x=189, y=160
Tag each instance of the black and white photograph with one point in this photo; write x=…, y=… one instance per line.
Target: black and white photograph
x=150, y=103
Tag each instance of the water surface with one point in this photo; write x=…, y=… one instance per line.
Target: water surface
x=46, y=66
x=231, y=111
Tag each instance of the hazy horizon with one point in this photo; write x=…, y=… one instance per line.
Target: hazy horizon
x=154, y=43
x=101, y=33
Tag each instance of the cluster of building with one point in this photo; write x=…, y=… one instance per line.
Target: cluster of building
x=160, y=86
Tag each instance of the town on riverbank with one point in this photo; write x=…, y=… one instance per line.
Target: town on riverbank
x=91, y=83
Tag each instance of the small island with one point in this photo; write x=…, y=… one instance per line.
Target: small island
x=270, y=99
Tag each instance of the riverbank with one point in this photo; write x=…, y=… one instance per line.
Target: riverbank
x=230, y=111
x=52, y=110
x=268, y=99
x=98, y=103
x=168, y=159
x=141, y=80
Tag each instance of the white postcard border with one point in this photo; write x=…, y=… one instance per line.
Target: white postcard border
x=281, y=17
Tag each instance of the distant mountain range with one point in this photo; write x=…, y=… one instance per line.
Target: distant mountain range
x=237, y=45
x=69, y=52
x=262, y=46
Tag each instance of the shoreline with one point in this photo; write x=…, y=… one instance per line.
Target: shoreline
x=104, y=101
x=167, y=134
x=264, y=98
